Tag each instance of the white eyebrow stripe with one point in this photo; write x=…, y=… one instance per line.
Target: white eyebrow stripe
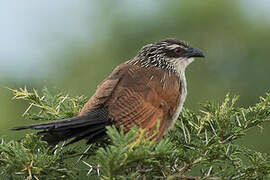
x=173, y=46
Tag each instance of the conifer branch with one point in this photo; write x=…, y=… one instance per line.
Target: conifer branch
x=205, y=141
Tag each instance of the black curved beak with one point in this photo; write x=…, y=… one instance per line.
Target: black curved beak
x=194, y=52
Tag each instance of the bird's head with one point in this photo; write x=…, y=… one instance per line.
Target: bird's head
x=170, y=54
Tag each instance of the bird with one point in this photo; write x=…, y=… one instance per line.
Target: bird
x=146, y=91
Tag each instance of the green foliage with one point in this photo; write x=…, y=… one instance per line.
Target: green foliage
x=33, y=159
x=48, y=106
x=200, y=146
x=208, y=140
x=131, y=155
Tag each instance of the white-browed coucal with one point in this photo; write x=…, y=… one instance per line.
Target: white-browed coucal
x=147, y=90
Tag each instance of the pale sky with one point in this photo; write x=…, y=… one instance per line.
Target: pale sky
x=30, y=30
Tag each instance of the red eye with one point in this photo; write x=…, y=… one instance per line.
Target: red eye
x=177, y=51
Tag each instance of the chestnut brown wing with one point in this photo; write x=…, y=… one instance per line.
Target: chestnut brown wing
x=133, y=108
x=135, y=96
x=139, y=100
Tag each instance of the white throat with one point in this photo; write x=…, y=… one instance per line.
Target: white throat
x=180, y=66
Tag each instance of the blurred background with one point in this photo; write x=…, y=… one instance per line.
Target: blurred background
x=71, y=46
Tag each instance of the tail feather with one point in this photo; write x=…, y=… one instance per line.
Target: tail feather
x=97, y=137
x=81, y=127
x=88, y=135
x=95, y=116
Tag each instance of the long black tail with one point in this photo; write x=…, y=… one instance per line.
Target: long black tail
x=90, y=126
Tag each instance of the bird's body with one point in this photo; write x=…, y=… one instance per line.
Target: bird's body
x=147, y=91
x=137, y=96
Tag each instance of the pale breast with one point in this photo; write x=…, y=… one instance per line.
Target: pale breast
x=181, y=98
